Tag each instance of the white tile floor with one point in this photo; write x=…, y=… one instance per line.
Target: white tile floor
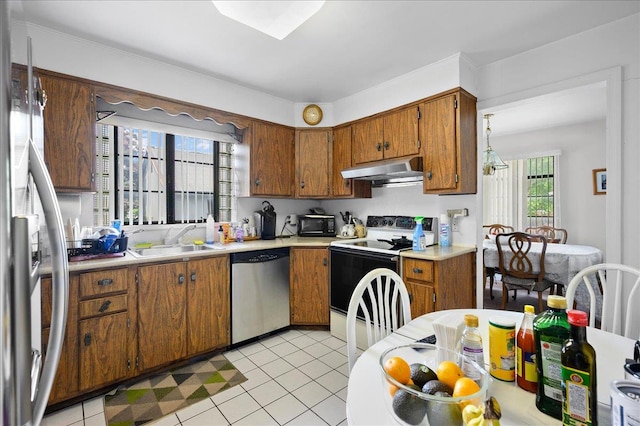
x=298, y=377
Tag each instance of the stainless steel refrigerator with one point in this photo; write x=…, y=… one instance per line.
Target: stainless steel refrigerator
x=28, y=211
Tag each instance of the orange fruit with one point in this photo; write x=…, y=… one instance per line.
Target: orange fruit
x=392, y=389
x=465, y=387
x=448, y=373
x=398, y=368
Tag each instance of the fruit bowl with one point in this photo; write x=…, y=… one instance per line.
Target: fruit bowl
x=410, y=406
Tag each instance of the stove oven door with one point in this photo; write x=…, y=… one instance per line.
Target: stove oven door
x=348, y=266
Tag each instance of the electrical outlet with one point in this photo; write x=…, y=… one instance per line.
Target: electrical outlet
x=454, y=224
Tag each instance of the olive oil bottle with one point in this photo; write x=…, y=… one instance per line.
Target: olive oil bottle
x=579, y=387
x=550, y=330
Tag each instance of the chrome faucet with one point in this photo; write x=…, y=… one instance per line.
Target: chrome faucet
x=174, y=240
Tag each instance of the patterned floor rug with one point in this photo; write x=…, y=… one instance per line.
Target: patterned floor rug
x=165, y=393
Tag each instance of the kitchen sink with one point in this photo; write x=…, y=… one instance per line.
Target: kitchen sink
x=166, y=250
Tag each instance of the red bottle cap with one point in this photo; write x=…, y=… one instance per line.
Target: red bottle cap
x=578, y=318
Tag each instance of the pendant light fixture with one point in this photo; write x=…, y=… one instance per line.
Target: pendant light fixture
x=490, y=159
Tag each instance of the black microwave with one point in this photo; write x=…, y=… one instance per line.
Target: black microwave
x=316, y=225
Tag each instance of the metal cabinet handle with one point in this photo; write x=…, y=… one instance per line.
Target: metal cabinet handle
x=302, y=184
x=417, y=270
x=379, y=146
x=180, y=278
x=193, y=276
x=257, y=182
x=106, y=281
x=429, y=175
x=324, y=262
x=87, y=339
x=386, y=145
x=104, y=306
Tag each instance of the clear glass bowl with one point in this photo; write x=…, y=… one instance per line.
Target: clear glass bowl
x=418, y=408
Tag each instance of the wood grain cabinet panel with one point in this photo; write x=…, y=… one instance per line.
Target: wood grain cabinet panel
x=272, y=159
x=448, y=134
x=313, y=163
x=309, y=286
x=208, y=304
x=104, y=282
x=69, y=132
x=161, y=314
x=341, y=158
x=102, y=358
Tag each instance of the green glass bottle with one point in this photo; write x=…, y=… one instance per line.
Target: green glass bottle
x=550, y=330
x=579, y=386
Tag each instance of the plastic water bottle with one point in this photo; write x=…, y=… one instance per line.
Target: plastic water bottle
x=419, y=240
x=211, y=229
x=471, y=347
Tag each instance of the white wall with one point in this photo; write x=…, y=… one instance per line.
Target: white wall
x=582, y=148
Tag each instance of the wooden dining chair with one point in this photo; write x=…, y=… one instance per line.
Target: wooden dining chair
x=383, y=299
x=518, y=269
x=606, y=283
x=494, y=229
x=553, y=235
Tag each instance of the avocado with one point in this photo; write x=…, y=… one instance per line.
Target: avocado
x=443, y=413
x=408, y=407
x=421, y=374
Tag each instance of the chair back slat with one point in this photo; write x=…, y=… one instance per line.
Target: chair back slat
x=383, y=299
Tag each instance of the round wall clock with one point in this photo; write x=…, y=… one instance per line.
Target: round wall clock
x=312, y=114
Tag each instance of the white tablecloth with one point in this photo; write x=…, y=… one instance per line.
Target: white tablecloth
x=561, y=261
x=366, y=406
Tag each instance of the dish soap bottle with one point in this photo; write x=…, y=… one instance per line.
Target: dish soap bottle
x=211, y=230
x=419, y=240
x=579, y=374
x=527, y=377
x=550, y=330
x=445, y=234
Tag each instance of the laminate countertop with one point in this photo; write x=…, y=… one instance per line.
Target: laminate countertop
x=431, y=253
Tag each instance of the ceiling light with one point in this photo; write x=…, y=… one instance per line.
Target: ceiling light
x=275, y=18
x=490, y=159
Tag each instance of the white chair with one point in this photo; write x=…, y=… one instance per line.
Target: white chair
x=383, y=298
x=611, y=278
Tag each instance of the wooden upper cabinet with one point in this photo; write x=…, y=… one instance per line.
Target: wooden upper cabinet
x=272, y=159
x=313, y=163
x=69, y=132
x=392, y=135
x=448, y=134
x=341, y=157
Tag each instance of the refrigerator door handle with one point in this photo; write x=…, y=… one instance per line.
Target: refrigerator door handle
x=60, y=279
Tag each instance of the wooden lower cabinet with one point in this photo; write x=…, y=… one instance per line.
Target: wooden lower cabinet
x=309, y=286
x=439, y=285
x=183, y=310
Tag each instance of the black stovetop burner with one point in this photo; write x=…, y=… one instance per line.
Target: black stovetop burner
x=398, y=243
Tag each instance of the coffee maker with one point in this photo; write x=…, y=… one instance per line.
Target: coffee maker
x=267, y=222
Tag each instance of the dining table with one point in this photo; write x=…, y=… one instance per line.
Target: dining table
x=365, y=393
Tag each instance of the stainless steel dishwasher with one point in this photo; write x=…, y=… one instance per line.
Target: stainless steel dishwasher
x=259, y=293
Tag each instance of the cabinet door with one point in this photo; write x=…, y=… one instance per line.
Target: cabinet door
x=313, y=163
x=368, y=138
x=422, y=298
x=341, y=157
x=309, y=281
x=65, y=383
x=103, y=350
x=439, y=137
x=401, y=133
x=272, y=159
x=69, y=133
x=208, y=302
x=161, y=314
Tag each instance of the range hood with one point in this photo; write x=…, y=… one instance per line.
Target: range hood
x=393, y=172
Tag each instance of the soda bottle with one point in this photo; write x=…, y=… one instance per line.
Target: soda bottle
x=550, y=330
x=527, y=377
x=471, y=346
x=579, y=387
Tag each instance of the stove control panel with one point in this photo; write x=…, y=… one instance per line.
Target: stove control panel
x=401, y=222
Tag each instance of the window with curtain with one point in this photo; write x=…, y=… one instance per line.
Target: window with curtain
x=524, y=194
x=150, y=174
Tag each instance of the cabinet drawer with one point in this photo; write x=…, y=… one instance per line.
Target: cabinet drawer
x=419, y=270
x=103, y=282
x=102, y=306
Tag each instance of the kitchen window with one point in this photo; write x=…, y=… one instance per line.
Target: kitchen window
x=524, y=194
x=155, y=174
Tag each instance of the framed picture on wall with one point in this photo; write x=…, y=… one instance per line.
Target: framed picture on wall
x=599, y=181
